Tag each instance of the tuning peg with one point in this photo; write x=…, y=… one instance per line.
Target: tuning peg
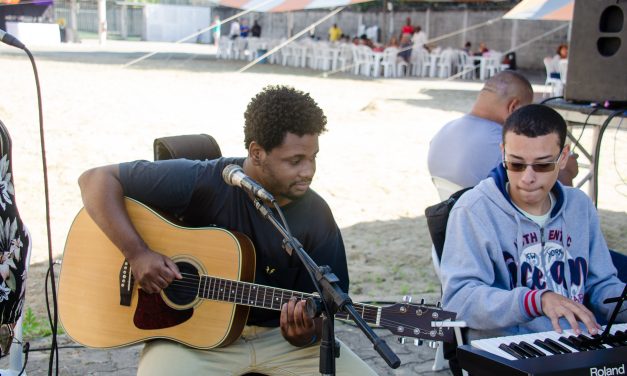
x=422, y=301
x=438, y=304
x=407, y=299
x=418, y=342
x=401, y=340
x=434, y=344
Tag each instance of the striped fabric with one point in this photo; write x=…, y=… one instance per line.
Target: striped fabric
x=559, y=10
x=286, y=5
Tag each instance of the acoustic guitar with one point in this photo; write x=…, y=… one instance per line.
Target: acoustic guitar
x=100, y=306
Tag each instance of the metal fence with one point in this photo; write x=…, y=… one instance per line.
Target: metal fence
x=88, y=18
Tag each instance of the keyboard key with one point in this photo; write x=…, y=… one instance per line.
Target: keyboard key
x=530, y=349
x=546, y=347
x=510, y=351
x=521, y=351
x=562, y=349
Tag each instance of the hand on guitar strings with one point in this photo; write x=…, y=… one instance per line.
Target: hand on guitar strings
x=296, y=326
x=153, y=271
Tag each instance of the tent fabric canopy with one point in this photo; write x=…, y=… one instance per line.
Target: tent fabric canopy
x=558, y=10
x=286, y=5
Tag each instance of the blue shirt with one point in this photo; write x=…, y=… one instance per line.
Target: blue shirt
x=465, y=150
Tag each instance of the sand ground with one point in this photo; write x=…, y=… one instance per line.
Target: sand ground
x=371, y=169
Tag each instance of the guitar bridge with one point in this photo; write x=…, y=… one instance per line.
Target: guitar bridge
x=126, y=284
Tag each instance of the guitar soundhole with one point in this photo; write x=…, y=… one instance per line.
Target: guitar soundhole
x=184, y=291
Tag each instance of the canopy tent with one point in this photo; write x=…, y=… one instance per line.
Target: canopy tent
x=558, y=10
x=285, y=5
x=28, y=8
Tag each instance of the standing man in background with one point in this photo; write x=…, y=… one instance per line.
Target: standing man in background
x=335, y=33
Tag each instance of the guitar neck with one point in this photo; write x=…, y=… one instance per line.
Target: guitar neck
x=253, y=295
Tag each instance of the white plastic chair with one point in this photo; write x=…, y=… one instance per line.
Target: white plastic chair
x=445, y=63
x=388, y=62
x=493, y=64
x=466, y=65
x=445, y=189
x=363, y=60
x=434, y=57
x=346, y=56
x=225, y=48
x=563, y=67
x=555, y=84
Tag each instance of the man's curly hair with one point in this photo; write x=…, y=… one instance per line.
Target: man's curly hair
x=277, y=110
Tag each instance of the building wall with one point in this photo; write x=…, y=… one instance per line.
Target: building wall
x=501, y=35
x=497, y=35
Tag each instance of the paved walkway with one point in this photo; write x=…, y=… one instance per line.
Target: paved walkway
x=123, y=362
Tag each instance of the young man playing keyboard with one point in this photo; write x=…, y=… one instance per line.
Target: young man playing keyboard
x=523, y=253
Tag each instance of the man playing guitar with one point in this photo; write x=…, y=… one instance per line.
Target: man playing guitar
x=281, y=131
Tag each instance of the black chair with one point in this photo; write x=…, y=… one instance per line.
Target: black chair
x=437, y=218
x=190, y=146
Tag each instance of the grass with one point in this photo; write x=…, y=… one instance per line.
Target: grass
x=36, y=327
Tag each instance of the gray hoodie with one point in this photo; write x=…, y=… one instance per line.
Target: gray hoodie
x=497, y=263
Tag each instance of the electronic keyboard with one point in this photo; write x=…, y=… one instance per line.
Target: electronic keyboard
x=548, y=353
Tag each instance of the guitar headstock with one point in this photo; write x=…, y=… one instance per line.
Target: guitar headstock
x=415, y=321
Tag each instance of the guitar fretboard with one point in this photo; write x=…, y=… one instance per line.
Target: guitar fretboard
x=260, y=296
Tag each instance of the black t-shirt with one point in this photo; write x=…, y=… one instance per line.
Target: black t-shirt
x=195, y=192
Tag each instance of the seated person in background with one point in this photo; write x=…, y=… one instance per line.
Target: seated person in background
x=483, y=50
x=393, y=42
x=560, y=54
x=363, y=40
x=281, y=136
x=465, y=150
x=523, y=253
x=467, y=48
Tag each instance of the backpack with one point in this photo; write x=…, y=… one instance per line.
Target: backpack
x=437, y=218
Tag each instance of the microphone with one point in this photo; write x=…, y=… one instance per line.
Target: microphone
x=10, y=40
x=234, y=175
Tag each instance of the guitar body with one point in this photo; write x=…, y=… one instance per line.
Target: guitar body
x=94, y=279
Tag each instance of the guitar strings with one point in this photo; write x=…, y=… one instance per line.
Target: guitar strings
x=194, y=278
x=184, y=288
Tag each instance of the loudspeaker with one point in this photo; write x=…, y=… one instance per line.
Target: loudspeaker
x=597, y=57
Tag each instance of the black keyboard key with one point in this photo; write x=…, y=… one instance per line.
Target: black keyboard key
x=555, y=344
x=590, y=343
x=546, y=347
x=520, y=350
x=609, y=340
x=581, y=343
x=621, y=337
x=531, y=349
x=510, y=351
x=571, y=343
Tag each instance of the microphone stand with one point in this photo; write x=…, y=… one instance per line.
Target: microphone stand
x=333, y=299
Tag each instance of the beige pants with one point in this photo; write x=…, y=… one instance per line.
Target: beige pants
x=261, y=350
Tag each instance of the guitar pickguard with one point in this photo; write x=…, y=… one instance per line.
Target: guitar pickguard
x=153, y=313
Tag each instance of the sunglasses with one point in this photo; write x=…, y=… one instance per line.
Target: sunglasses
x=537, y=167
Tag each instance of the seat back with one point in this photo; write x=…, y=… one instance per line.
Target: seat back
x=445, y=187
x=189, y=146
